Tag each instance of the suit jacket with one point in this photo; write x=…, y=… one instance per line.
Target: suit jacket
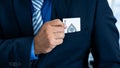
x=98, y=31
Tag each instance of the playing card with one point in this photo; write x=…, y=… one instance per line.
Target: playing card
x=73, y=24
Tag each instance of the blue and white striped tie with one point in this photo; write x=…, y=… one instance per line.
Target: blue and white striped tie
x=37, y=17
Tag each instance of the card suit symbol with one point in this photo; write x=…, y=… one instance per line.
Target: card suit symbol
x=71, y=28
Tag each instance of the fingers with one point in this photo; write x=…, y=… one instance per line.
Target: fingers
x=54, y=43
x=59, y=35
x=56, y=23
x=50, y=36
x=59, y=41
x=58, y=29
x=52, y=46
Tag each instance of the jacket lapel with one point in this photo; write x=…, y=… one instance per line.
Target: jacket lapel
x=24, y=16
x=24, y=13
x=60, y=9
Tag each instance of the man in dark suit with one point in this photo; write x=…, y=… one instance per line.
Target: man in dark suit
x=98, y=31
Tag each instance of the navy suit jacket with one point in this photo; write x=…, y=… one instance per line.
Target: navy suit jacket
x=98, y=33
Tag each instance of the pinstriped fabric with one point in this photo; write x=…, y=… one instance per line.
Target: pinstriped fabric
x=37, y=17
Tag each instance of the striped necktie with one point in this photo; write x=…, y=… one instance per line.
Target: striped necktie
x=37, y=17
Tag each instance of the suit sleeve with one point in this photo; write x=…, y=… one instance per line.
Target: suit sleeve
x=15, y=52
x=105, y=37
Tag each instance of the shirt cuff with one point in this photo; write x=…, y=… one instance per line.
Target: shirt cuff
x=32, y=55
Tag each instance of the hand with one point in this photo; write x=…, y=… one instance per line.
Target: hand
x=49, y=36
